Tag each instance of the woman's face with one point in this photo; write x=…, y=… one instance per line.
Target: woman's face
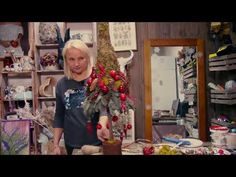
x=77, y=61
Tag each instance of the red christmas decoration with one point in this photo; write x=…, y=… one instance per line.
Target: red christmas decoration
x=114, y=118
x=121, y=89
x=122, y=97
x=89, y=81
x=99, y=126
x=14, y=43
x=110, y=93
x=129, y=126
x=113, y=73
x=148, y=150
x=116, y=77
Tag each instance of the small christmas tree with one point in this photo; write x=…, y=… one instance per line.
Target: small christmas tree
x=107, y=88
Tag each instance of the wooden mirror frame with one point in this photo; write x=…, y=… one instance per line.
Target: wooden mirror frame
x=201, y=87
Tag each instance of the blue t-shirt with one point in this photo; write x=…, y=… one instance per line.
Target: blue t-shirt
x=70, y=115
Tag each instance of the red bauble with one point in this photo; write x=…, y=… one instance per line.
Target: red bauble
x=114, y=118
x=14, y=44
x=89, y=81
x=99, y=126
x=101, y=84
x=122, y=97
x=113, y=73
x=221, y=152
x=116, y=78
x=121, y=89
x=105, y=89
x=129, y=126
x=93, y=75
x=148, y=150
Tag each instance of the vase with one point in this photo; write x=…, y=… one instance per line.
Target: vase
x=112, y=148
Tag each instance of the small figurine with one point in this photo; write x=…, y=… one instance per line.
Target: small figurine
x=125, y=61
x=27, y=63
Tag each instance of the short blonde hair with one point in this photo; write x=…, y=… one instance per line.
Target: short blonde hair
x=78, y=44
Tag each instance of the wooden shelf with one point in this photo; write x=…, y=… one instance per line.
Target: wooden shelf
x=223, y=63
x=6, y=100
x=17, y=74
x=222, y=123
x=47, y=98
x=227, y=102
x=223, y=97
x=46, y=72
x=47, y=46
x=189, y=75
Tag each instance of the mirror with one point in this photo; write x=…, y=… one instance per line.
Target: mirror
x=156, y=93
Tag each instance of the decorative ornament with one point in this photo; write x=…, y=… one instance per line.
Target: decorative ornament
x=14, y=43
x=110, y=91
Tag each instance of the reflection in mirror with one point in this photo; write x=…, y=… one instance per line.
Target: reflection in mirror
x=173, y=73
x=175, y=85
x=166, y=81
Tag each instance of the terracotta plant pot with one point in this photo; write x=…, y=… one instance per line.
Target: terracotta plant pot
x=112, y=148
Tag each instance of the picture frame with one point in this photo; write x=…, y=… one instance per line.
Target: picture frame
x=123, y=35
x=15, y=137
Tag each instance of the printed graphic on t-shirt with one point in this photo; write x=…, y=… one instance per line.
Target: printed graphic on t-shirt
x=74, y=97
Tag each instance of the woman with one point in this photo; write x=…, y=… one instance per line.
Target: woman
x=70, y=93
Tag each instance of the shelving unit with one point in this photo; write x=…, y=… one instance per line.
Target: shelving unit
x=189, y=75
x=10, y=78
x=36, y=76
x=7, y=105
x=41, y=74
x=223, y=102
x=41, y=49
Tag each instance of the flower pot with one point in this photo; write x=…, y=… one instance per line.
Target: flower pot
x=112, y=148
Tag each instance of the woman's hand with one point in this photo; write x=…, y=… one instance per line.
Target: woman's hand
x=103, y=132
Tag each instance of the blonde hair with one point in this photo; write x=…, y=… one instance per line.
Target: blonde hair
x=78, y=44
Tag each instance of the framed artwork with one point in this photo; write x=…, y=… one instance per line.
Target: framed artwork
x=15, y=137
x=123, y=36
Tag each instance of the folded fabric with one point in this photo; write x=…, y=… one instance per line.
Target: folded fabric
x=175, y=140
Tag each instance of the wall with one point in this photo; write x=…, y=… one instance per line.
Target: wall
x=163, y=82
x=151, y=30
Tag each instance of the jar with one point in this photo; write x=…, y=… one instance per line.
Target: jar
x=218, y=135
